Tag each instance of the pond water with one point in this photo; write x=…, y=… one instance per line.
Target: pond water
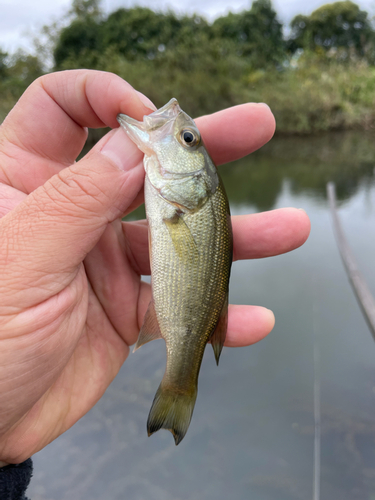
x=252, y=433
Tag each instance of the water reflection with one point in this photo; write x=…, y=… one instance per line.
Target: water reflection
x=308, y=162
x=253, y=427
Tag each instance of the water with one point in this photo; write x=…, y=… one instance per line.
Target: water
x=252, y=433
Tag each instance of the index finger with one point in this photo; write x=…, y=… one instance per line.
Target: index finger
x=59, y=106
x=46, y=129
x=235, y=132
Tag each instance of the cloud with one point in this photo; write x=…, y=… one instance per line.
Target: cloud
x=18, y=18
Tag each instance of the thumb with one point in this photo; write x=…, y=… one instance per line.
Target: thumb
x=49, y=234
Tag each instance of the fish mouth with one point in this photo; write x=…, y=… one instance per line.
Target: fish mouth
x=161, y=116
x=139, y=131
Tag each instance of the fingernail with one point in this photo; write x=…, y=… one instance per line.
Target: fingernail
x=146, y=101
x=264, y=104
x=121, y=150
x=272, y=319
x=302, y=210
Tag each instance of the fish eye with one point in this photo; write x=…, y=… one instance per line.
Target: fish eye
x=189, y=137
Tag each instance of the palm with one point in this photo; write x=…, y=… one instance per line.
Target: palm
x=91, y=348
x=79, y=302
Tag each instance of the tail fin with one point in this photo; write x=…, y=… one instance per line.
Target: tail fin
x=172, y=410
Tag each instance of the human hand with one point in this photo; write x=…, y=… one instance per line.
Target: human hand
x=71, y=298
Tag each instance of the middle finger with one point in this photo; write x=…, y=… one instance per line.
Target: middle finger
x=254, y=236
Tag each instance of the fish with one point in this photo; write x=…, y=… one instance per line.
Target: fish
x=190, y=243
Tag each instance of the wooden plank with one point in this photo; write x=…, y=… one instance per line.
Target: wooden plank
x=359, y=285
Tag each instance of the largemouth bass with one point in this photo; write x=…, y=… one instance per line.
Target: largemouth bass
x=190, y=239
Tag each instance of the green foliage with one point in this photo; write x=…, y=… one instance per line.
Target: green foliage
x=339, y=25
x=3, y=65
x=318, y=95
x=345, y=158
x=78, y=41
x=16, y=73
x=238, y=58
x=256, y=34
x=22, y=70
x=140, y=33
x=200, y=88
x=84, y=9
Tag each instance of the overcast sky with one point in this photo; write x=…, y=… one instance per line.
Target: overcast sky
x=20, y=18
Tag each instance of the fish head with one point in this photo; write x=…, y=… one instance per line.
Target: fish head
x=176, y=161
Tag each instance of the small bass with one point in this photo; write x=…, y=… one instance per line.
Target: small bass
x=190, y=239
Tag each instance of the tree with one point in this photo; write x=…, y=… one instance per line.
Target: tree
x=256, y=33
x=78, y=41
x=3, y=65
x=140, y=33
x=82, y=9
x=81, y=39
x=340, y=25
x=17, y=71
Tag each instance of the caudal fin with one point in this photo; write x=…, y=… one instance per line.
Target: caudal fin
x=171, y=410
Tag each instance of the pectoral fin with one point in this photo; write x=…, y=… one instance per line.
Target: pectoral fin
x=218, y=337
x=183, y=240
x=150, y=329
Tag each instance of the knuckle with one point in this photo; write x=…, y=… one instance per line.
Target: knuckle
x=76, y=194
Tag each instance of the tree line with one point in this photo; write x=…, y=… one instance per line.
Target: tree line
x=206, y=65
x=256, y=35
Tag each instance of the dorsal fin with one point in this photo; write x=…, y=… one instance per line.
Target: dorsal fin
x=218, y=337
x=150, y=329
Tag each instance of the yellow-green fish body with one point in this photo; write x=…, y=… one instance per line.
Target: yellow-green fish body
x=190, y=253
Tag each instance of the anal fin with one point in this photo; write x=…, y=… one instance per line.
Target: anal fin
x=220, y=332
x=150, y=329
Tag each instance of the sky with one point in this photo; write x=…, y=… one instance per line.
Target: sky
x=20, y=19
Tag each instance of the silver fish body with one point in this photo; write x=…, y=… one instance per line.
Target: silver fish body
x=190, y=254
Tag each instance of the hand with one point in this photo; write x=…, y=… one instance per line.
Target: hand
x=71, y=299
